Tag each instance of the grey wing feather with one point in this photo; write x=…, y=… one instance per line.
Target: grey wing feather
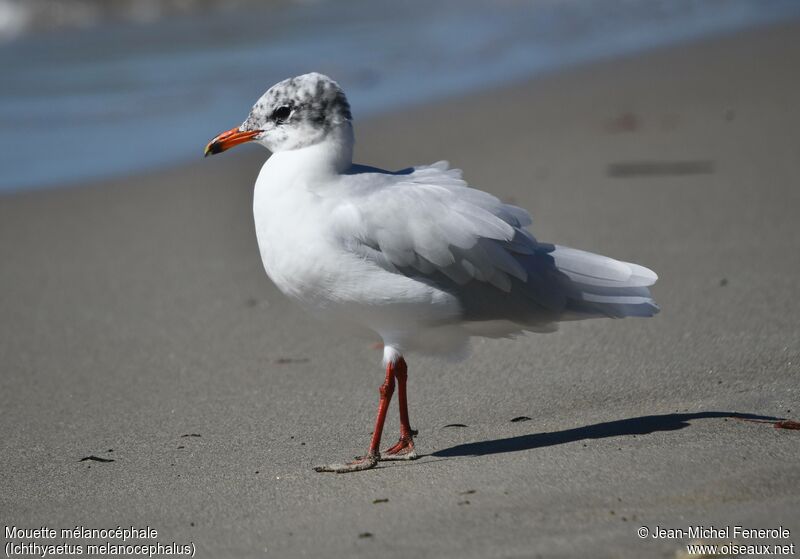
x=426, y=223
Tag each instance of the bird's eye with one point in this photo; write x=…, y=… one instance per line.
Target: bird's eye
x=281, y=114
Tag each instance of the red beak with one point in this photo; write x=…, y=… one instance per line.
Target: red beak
x=227, y=140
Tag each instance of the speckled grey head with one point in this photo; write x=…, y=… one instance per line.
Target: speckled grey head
x=298, y=112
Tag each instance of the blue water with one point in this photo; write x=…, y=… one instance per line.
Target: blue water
x=117, y=99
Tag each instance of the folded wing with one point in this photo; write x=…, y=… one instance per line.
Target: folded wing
x=426, y=223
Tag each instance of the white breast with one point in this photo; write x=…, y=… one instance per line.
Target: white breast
x=294, y=245
x=307, y=260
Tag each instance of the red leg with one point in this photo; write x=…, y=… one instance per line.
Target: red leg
x=371, y=459
x=404, y=448
x=386, y=390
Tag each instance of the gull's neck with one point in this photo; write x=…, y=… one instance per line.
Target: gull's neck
x=331, y=156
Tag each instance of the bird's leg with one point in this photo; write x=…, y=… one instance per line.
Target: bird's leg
x=371, y=459
x=404, y=448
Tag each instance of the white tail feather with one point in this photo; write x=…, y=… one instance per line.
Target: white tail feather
x=607, y=287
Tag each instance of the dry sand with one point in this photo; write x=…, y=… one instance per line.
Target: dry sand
x=136, y=312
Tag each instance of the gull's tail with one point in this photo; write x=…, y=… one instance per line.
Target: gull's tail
x=604, y=286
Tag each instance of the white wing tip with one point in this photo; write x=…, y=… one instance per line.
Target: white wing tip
x=646, y=275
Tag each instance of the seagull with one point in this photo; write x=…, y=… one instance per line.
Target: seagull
x=415, y=256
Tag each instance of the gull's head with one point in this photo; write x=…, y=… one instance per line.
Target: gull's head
x=292, y=114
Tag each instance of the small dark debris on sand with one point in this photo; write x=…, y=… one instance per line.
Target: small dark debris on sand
x=624, y=122
x=787, y=424
x=453, y=425
x=180, y=447
x=467, y=492
x=190, y=435
x=288, y=360
x=376, y=501
x=363, y=535
x=781, y=424
x=520, y=418
x=460, y=503
x=94, y=458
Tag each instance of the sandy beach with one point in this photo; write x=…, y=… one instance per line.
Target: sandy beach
x=138, y=327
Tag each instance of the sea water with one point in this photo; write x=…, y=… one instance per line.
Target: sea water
x=117, y=98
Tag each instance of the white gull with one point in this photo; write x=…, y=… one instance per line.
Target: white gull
x=416, y=256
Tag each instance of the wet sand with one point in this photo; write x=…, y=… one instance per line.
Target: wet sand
x=138, y=326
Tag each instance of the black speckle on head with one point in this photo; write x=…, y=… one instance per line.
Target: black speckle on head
x=312, y=99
